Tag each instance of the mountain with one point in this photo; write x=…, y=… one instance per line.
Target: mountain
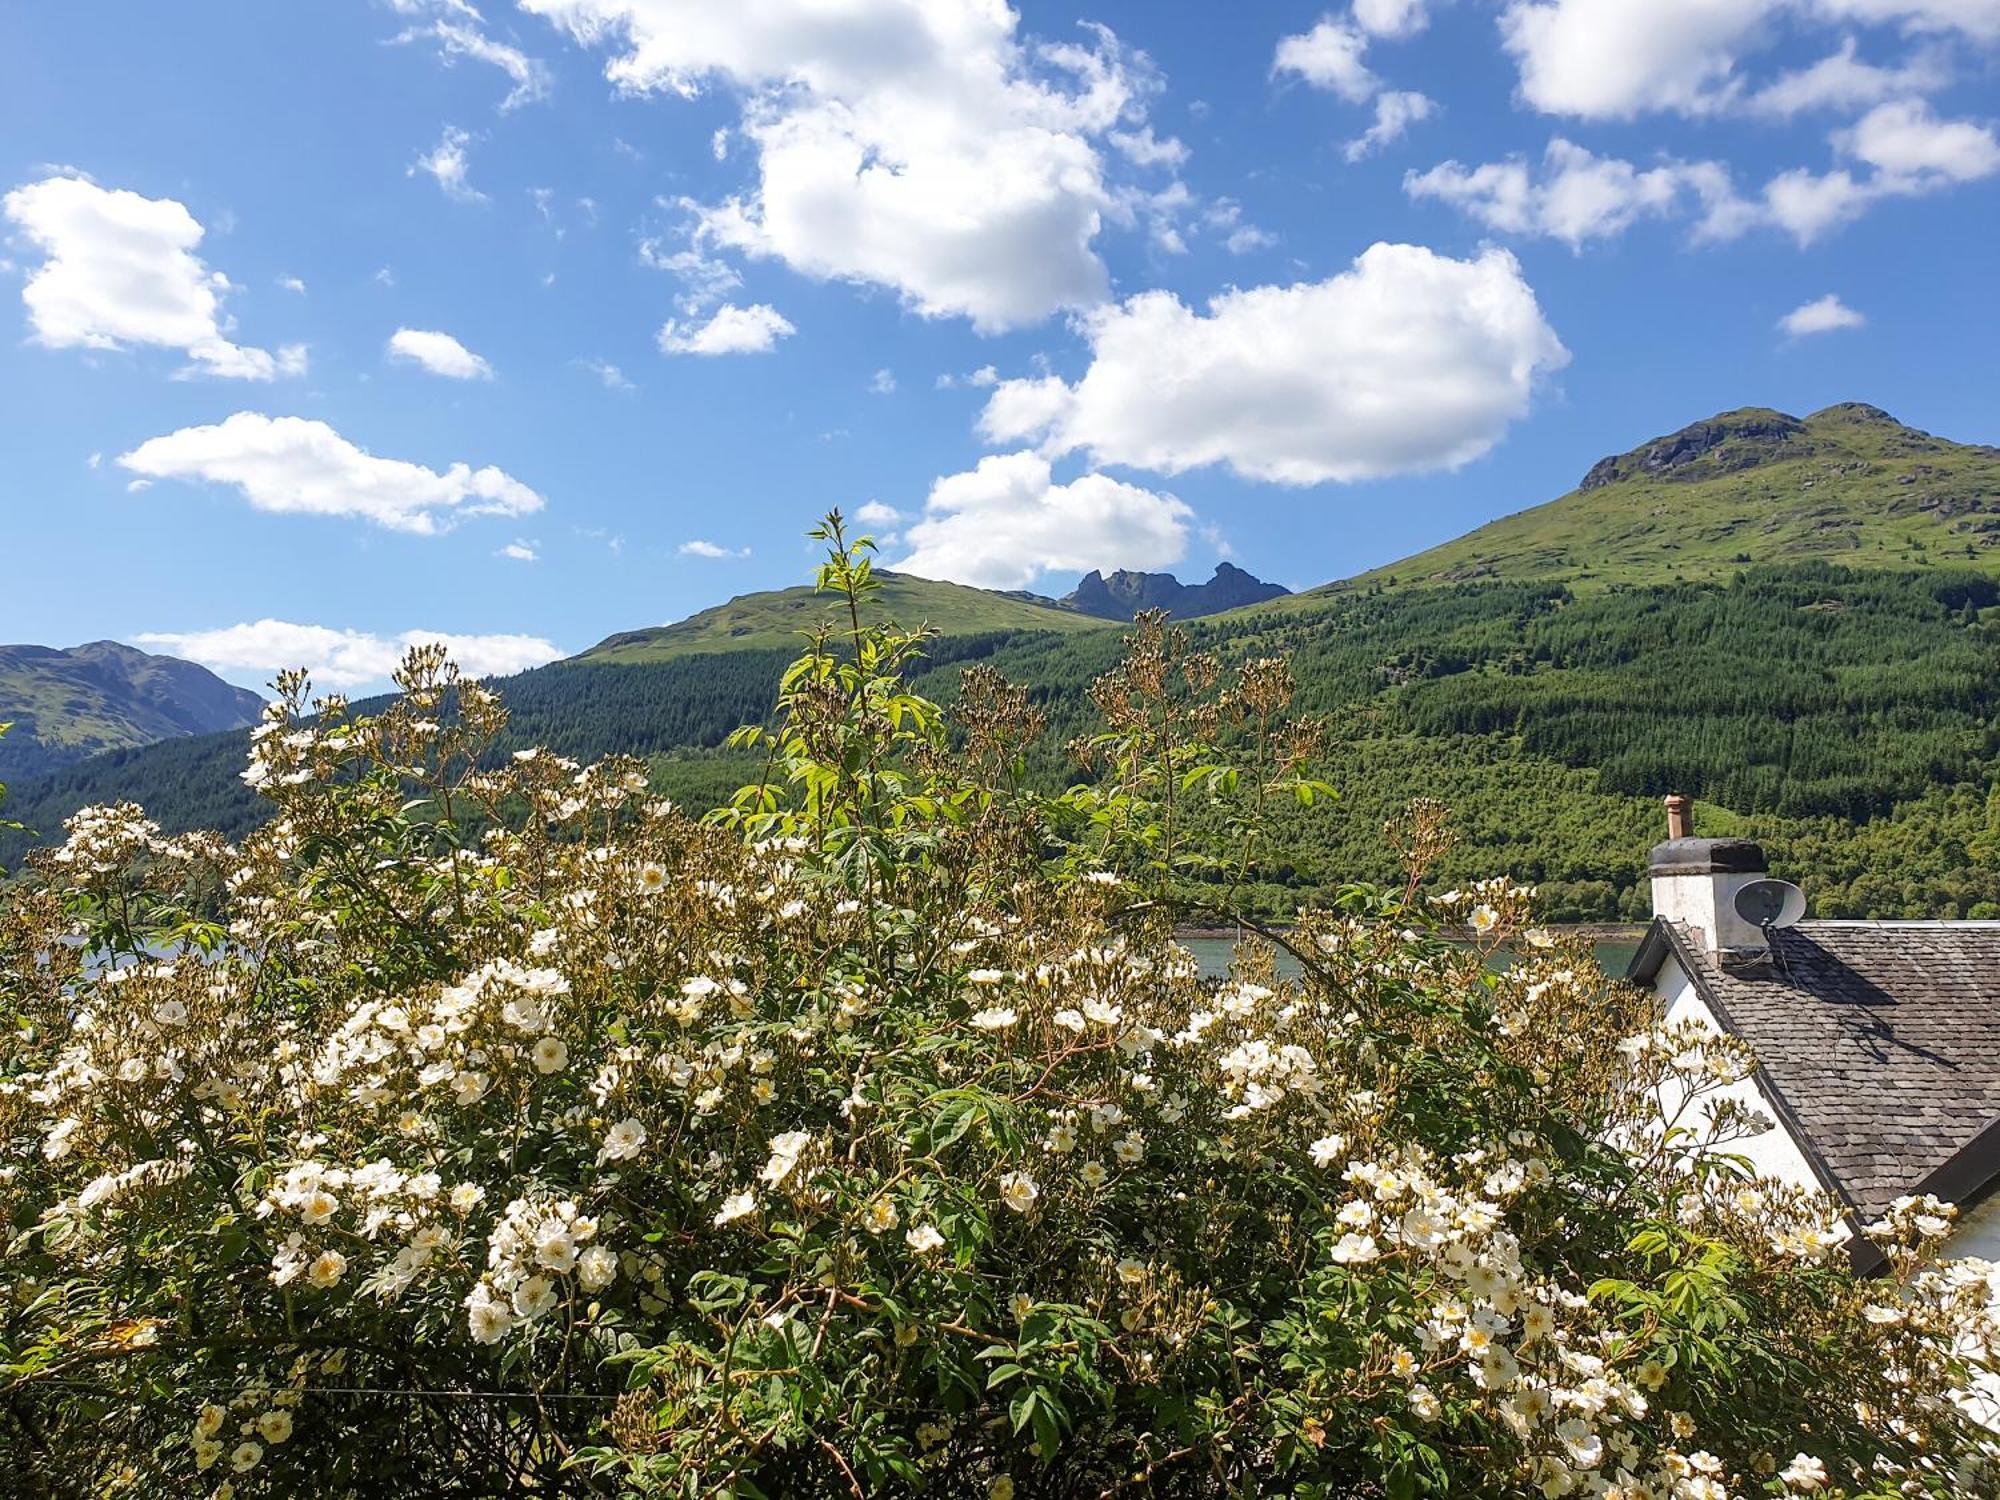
x=67, y=705
x=1849, y=484
x=779, y=618
x=1846, y=713
x=1122, y=594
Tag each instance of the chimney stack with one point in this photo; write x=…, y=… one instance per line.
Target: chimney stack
x=1695, y=881
x=1680, y=819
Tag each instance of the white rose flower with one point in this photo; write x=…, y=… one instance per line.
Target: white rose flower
x=623, y=1141
x=1018, y=1191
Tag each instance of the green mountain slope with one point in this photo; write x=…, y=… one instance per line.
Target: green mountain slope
x=1849, y=484
x=67, y=705
x=778, y=619
x=1847, y=713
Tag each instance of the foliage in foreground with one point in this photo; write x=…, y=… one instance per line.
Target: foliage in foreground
x=874, y=1135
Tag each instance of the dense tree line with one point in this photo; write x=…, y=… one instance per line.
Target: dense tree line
x=1846, y=717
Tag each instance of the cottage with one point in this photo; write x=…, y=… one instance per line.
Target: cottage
x=1878, y=1042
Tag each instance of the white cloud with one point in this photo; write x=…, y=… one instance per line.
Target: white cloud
x=1827, y=314
x=875, y=513
x=1841, y=80
x=1977, y=19
x=705, y=279
x=985, y=375
x=449, y=164
x=120, y=270
x=609, y=375
x=1806, y=204
x=920, y=145
x=1614, y=59
x=1407, y=361
x=883, y=383
x=1905, y=141
x=1911, y=152
x=699, y=548
x=344, y=659
x=519, y=551
x=1396, y=110
x=755, y=329
x=1226, y=214
x=439, y=353
x=1329, y=57
x=293, y=465
x=1006, y=522
x=291, y=284
x=1579, y=196
x=1142, y=148
x=1393, y=18
x=459, y=33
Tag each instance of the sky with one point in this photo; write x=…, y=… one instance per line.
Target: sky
x=335, y=325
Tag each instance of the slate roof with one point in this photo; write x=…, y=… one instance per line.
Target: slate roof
x=1879, y=1042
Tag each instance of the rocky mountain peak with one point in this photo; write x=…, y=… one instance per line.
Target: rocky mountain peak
x=1123, y=593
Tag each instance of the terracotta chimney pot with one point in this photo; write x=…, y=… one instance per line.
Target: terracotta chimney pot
x=1680, y=822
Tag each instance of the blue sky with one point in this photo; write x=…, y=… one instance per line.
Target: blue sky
x=335, y=324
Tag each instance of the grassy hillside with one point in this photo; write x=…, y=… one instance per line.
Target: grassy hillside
x=779, y=618
x=69, y=704
x=1847, y=717
x=1849, y=484
x=1550, y=676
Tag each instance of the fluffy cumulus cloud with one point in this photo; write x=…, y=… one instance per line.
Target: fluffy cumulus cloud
x=921, y=145
x=439, y=353
x=755, y=329
x=1392, y=17
x=120, y=270
x=1330, y=56
x=710, y=550
x=1578, y=196
x=1904, y=141
x=1615, y=59
x=1826, y=314
x=343, y=659
x=1900, y=149
x=293, y=465
x=1006, y=522
x=1407, y=361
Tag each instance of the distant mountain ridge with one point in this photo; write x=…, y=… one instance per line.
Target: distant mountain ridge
x=779, y=618
x=1122, y=594
x=69, y=704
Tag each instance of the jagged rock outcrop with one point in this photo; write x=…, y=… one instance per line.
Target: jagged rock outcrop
x=1122, y=594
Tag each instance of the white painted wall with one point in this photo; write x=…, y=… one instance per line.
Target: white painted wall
x=1977, y=1236
x=1774, y=1153
x=1708, y=904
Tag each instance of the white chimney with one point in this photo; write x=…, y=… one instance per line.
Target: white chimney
x=1696, y=880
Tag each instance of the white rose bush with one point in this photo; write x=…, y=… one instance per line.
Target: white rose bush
x=486, y=1125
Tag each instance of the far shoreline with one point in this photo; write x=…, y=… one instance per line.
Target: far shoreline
x=1596, y=932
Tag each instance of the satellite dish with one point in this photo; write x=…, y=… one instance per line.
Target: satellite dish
x=1770, y=903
